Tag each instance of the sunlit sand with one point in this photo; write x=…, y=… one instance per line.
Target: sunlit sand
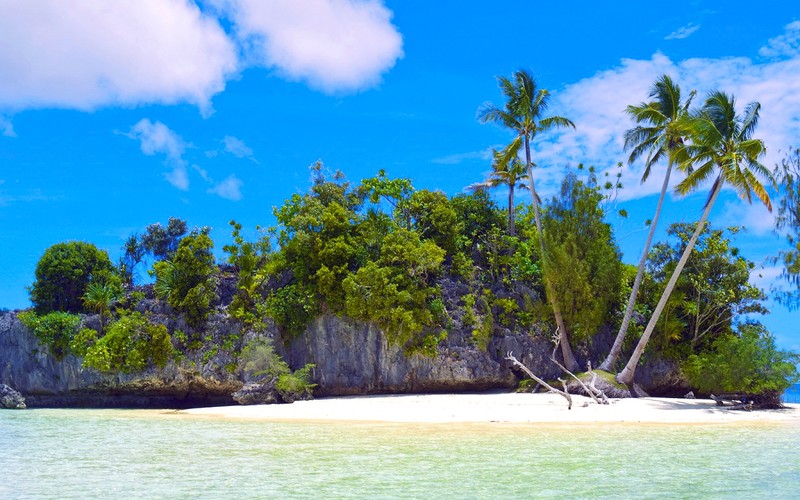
x=501, y=408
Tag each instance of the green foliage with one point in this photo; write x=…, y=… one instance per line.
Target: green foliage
x=55, y=329
x=185, y=282
x=788, y=223
x=131, y=344
x=713, y=291
x=394, y=291
x=260, y=359
x=747, y=362
x=296, y=385
x=99, y=297
x=82, y=340
x=64, y=273
x=583, y=260
x=433, y=217
x=249, y=259
x=292, y=307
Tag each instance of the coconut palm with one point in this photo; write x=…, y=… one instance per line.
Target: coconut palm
x=506, y=171
x=721, y=142
x=523, y=114
x=662, y=125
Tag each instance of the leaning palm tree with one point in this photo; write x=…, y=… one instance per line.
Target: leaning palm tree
x=722, y=141
x=506, y=171
x=662, y=125
x=522, y=113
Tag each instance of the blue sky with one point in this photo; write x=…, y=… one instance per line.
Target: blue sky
x=116, y=115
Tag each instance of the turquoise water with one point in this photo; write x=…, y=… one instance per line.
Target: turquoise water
x=792, y=394
x=150, y=454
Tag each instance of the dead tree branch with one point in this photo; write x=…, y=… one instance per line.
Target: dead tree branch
x=589, y=392
x=528, y=372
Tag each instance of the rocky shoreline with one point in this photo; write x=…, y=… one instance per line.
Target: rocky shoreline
x=351, y=358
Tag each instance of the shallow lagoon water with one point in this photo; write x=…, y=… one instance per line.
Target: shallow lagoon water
x=142, y=453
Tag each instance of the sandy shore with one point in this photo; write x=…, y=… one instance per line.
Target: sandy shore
x=500, y=408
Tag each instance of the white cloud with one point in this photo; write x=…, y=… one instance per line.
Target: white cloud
x=756, y=218
x=84, y=54
x=683, y=32
x=237, y=147
x=766, y=277
x=6, y=127
x=230, y=188
x=597, y=104
x=455, y=159
x=786, y=45
x=157, y=138
x=333, y=45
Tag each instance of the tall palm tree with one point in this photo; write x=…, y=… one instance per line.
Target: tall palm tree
x=662, y=125
x=722, y=141
x=523, y=114
x=506, y=171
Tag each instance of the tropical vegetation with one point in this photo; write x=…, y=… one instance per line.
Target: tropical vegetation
x=427, y=268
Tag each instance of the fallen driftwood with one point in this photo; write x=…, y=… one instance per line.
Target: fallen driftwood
x=564, y=393
x=737, y=401
x=596, y=394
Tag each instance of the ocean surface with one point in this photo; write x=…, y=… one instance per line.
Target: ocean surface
x=48, y=453
x=792, y=394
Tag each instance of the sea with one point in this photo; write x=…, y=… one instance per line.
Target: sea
x=79, y=453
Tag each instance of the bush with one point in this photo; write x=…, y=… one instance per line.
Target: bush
x=185, y=282
x=748, y=363
x=64, y=273
x=55, y=330
x=131, y=344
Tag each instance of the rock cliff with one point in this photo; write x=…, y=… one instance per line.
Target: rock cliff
x=351, y=358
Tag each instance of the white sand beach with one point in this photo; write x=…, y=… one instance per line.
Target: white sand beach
x=500, y=408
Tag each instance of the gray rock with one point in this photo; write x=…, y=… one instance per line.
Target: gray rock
x=257, y=394
x=11, y=399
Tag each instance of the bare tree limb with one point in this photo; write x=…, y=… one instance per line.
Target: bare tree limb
x=590, y=393
x=598, y=392
x=528, y=372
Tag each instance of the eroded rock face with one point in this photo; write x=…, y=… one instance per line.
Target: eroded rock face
x=356, y=358
x=11, y=399
x=27, y=365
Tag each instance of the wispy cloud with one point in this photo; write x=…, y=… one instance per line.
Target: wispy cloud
x=6, y=127
x=156, y=138
x=85, y=54
x=455, y=159
x=237, y=147
x=230, y=188
x=333, y=45
x=26, y=197
x=596, y=105
x=683, y=32
x=785, y=45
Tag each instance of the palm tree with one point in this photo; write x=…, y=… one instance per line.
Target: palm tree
x=522, y=113
x=721, y=141
x=99, y=297
x=662, y=125
x=505, y=172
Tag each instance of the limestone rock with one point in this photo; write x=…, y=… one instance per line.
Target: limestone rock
x=11, y=399
x=257, y=394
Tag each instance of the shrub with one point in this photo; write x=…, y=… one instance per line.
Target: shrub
x=131, y=344
x=747, y=363
x=64, y=273
x=55, y=330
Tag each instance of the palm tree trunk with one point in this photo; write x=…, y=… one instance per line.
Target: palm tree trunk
x=566, y=350
x=608, y=363
x=511, y=209
x=627, y=373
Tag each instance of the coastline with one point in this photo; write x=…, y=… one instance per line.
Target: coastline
x=511, y=408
